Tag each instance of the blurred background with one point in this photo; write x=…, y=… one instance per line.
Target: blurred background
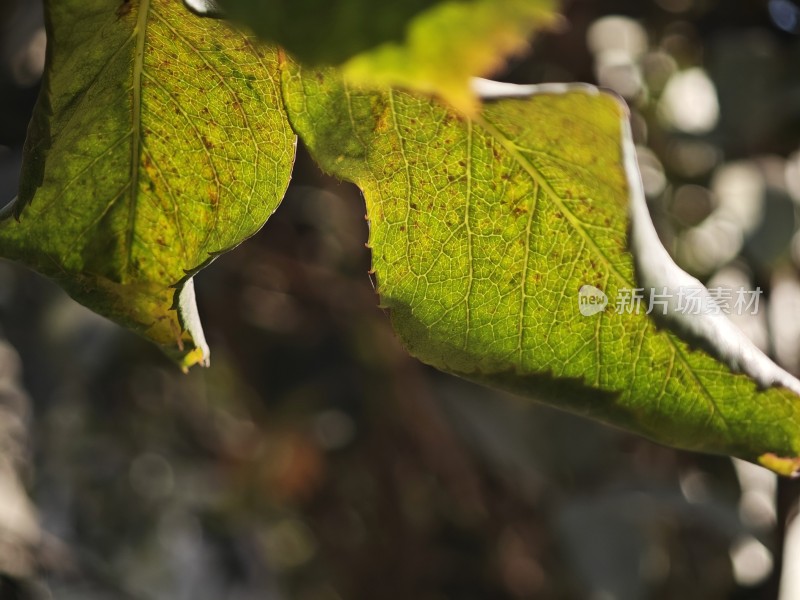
x=315, y=461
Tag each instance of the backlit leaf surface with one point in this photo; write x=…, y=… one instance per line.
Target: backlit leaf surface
x=158, y=142
x=484, y=231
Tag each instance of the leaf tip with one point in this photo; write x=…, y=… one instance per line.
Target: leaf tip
x=788, y=467
x=197, y=356
x=464, y=100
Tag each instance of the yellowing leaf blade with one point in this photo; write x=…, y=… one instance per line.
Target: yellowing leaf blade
x=159, y=141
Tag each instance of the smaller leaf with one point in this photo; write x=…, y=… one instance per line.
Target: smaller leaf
x=433, y=46
x=449, y=44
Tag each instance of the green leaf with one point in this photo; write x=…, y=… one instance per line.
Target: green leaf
x=484, y=231
x=449, y=44
x=433, y=46
x=157, y=143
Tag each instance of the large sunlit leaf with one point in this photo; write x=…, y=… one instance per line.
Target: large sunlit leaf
x=483, y=233
x=434, y=46
x=158, y=142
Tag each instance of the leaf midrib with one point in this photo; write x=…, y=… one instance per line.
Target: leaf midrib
x=136, y=125
x=544, y=184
